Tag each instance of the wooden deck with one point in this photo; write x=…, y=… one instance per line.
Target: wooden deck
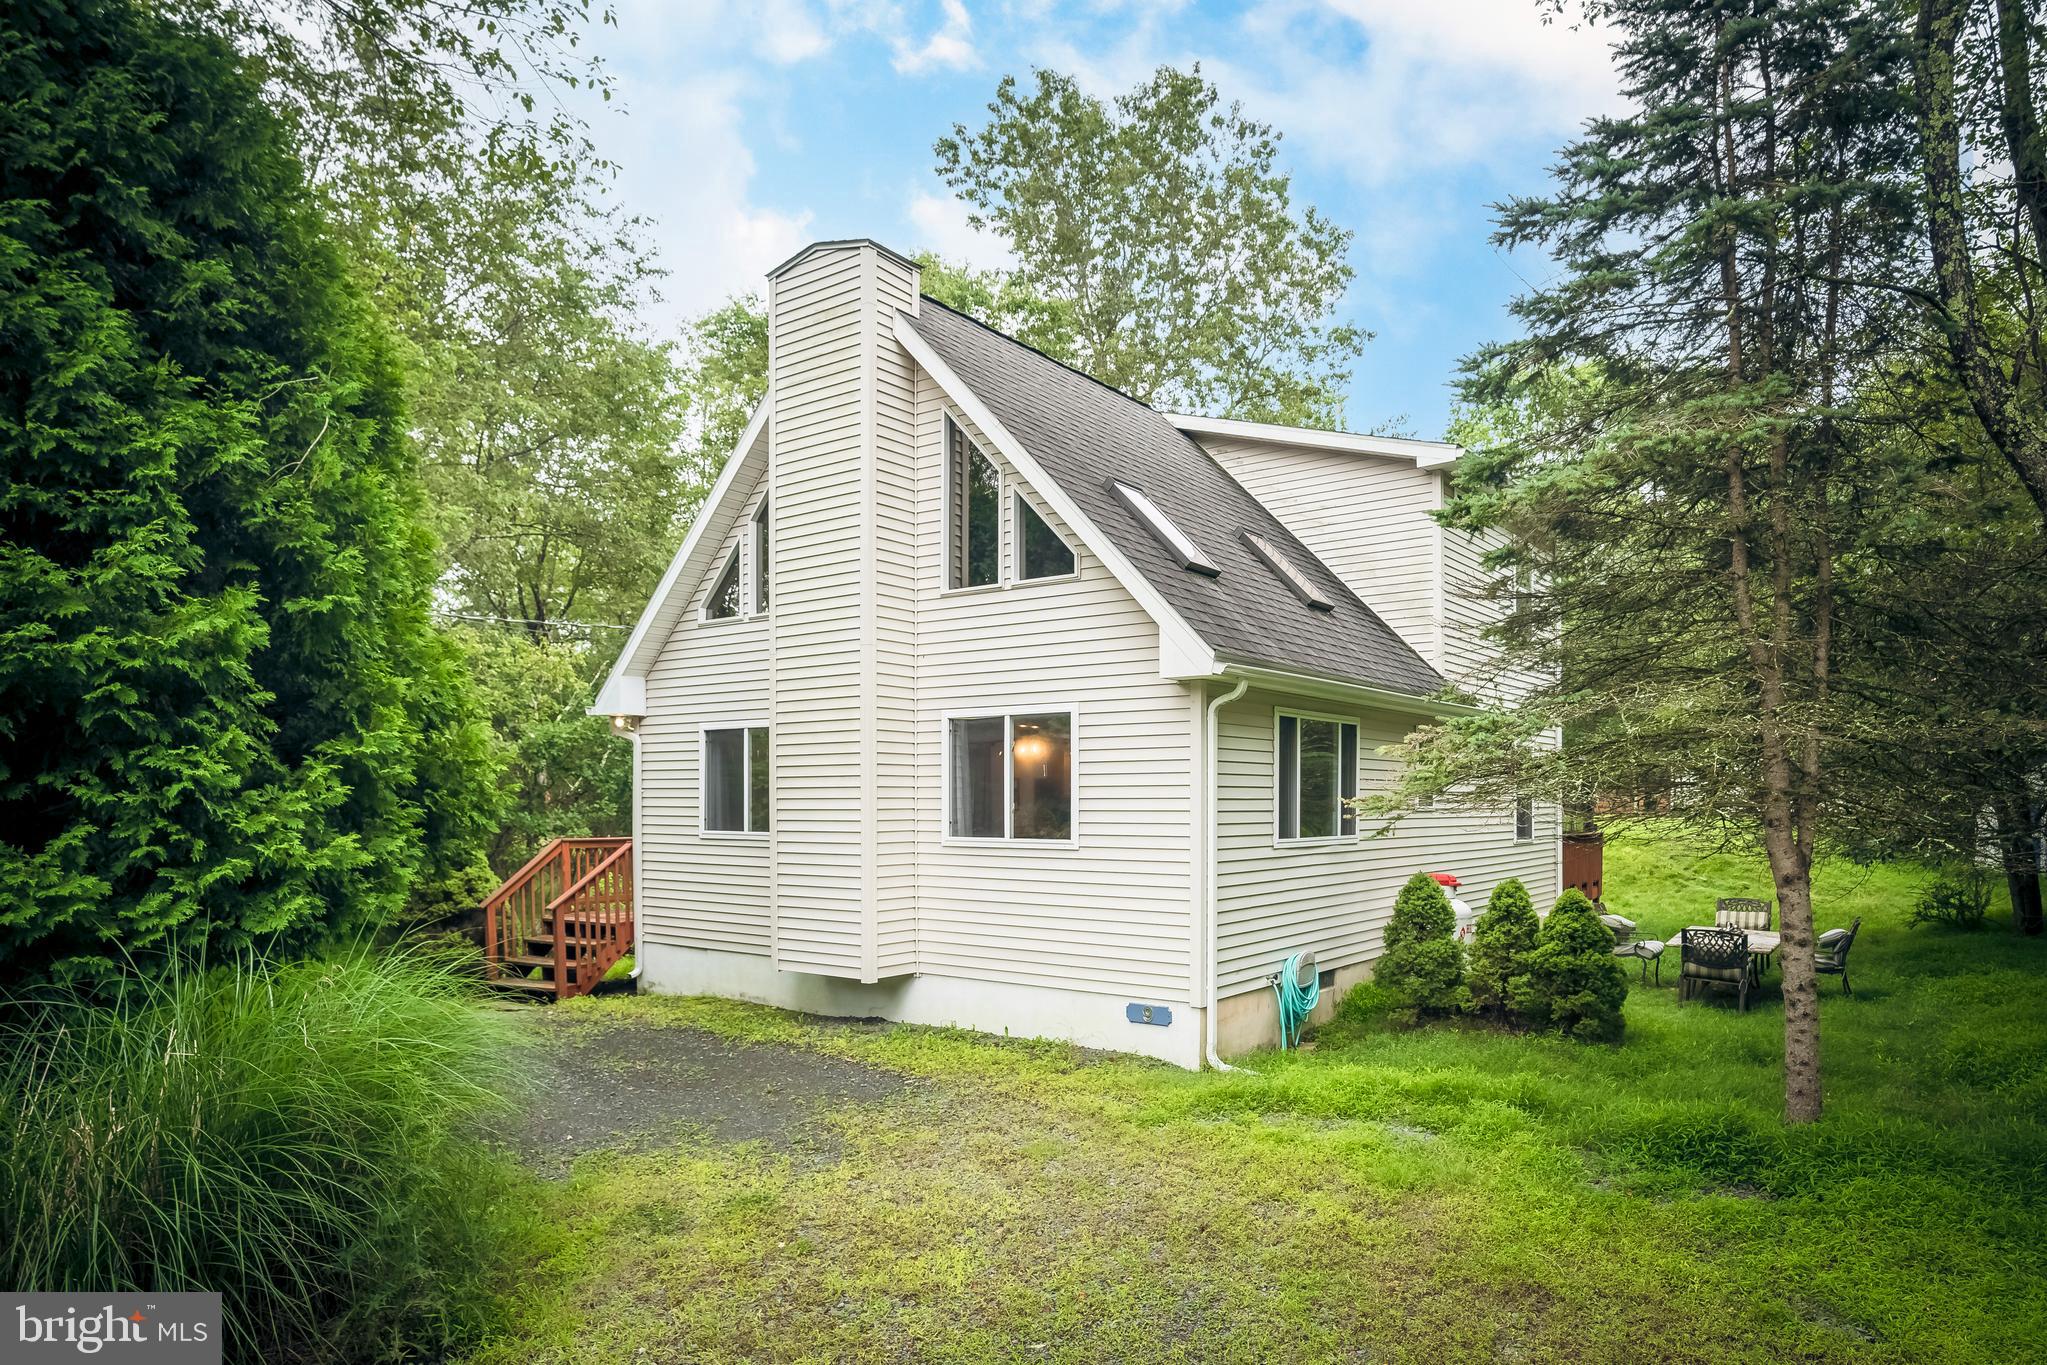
x=563, y=920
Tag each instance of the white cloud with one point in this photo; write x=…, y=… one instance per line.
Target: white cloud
x=684, y=163
x=785, y=31
x=949, y=45
x=939, y=223
x=1436, y=85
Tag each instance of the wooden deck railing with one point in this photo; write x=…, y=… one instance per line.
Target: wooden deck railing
x=567, y=914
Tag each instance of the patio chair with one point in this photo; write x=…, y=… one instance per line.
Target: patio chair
x=1744, y=912
x=1741, y=912
x=1643, y=950
x=1713, y=958
x=1830, y=956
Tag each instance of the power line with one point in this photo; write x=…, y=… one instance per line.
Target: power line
x=520, y=621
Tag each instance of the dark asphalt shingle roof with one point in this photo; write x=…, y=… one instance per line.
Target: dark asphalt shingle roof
x=1084, y=434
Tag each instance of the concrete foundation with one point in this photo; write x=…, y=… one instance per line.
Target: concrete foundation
x=1249, y=1020
x=1099, y=1021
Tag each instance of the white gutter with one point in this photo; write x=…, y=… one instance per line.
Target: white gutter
x=1208, y=840
x=1308, y=684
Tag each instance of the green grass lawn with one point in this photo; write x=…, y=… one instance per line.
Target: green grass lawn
x=1436, y=1195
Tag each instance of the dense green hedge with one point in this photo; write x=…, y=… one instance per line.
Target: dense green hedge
x=224, y=714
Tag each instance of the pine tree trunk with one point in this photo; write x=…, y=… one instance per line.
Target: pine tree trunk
x=2025, y=899
x=2010, y=417
x=2018, y=847
x=1792, y=874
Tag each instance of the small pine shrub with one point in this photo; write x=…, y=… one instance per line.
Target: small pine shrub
x=1574, y=984
x=1500, y=945
x=1422, y=965
x=1958, y=898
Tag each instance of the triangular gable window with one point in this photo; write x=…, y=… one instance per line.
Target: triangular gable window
x=723, y=603
x=1040, y=552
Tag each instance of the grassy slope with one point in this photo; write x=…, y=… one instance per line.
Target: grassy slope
x=1427, y=1195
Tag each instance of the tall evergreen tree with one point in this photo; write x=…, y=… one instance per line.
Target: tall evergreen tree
x=224, y=716
x=1678, y=467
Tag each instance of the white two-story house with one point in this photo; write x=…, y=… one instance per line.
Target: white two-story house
x=981, y=694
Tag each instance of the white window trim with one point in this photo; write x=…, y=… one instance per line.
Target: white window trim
x=1008, y=713
x=739, y=546
x=1320, y=840
x=1018, y=500
x=946, y=427
x=1008, y=539
x=1514, y=814
x=746, y=836
x=735, y=560
x=759, y=531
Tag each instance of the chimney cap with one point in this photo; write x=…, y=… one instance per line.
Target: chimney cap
x=898, y=257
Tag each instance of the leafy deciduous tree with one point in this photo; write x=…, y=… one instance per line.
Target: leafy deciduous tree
x=1163, y=231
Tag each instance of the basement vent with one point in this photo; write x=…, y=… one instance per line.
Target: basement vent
x=1288, y=572
x=1161, y=526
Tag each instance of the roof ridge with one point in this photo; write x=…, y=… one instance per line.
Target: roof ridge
x=993, y=330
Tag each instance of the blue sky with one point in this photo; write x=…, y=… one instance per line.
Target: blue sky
x=744, y=130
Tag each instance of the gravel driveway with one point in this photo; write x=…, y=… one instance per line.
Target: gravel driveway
x=614, y=1083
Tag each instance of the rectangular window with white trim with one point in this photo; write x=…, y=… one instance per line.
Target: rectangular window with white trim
x=1524, y=818
x=735, y=798
x=1010, y=776
x=974, y=508
x=1316, y=777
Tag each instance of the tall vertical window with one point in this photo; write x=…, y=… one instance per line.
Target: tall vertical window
x=1040, y=553
x=1316, y=777
x=736, y=779
x=1011, y=776
x=760, y=556
x=975, y=501
x=1524, y=817
x=723, y=603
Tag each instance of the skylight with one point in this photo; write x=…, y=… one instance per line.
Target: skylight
x=1160, y=525
x=1289, y=573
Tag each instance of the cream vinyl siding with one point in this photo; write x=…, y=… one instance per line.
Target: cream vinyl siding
x=1114, y=913
x=697, y=891
x=1274, y=897
x=819, y=334
x=1471, y=659
x=1367, y=518
x=894, y=632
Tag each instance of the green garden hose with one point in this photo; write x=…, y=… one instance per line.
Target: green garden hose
x=1295, y=1000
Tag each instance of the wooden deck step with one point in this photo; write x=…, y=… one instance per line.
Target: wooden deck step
x=526, y=984
x=563, y=920
x=525, y=962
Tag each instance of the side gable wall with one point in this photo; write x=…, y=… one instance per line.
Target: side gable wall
x=1366, y=518
x=695, y=890
x=1113, y=915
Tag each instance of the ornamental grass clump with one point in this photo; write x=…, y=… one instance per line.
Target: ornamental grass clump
x=1573, y=984
x=1501, y=944
x=300, y=1138
x=1422, y=965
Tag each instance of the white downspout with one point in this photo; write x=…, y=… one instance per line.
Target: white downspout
x=1208, y=839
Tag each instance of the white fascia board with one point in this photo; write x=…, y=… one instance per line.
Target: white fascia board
x=1182, y=651
x=627, y=681
x=622, y=695
x=1336, y=689
x=1422, y=454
